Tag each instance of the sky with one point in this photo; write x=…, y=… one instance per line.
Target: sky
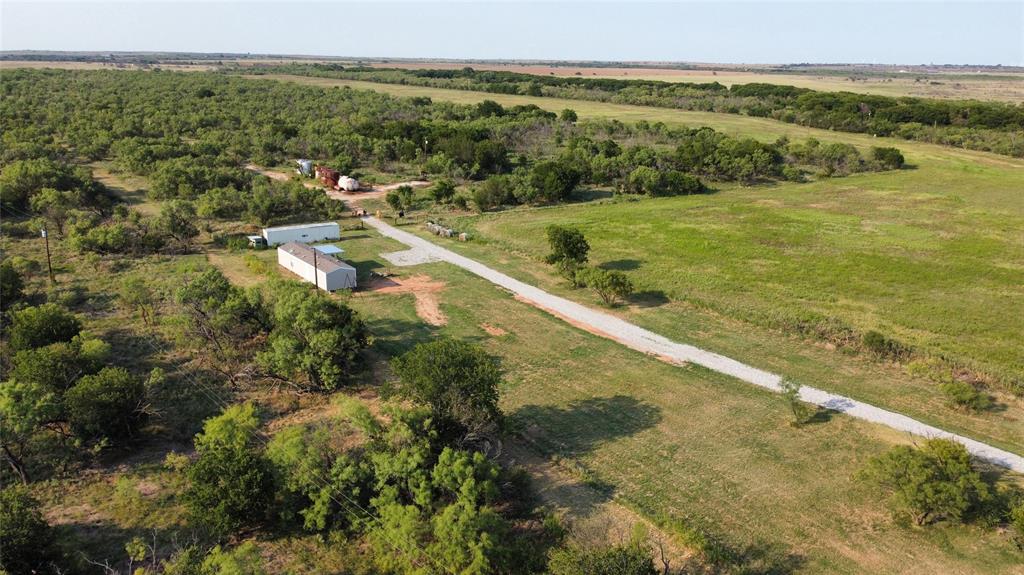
x=768, y=32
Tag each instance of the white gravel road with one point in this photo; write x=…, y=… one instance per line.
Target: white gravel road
x=645, y=341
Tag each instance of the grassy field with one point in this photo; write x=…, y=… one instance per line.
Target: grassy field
x=924, y=255
x=671, y=443
x=1007, y=87
x=652, y=435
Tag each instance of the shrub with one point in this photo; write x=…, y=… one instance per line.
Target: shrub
x=888, y=158
x=883, y=346
x=493, y=192
x=230, y=483
x=962, y=394
x=610, y=285
x=930, y=483
x=458, y=381
x=1017, y=522
x=554, y=181
x=618, y=560
x=109, y=404
x=11, y=285
x=27, y=542
x=34, y=327
x=791, y=393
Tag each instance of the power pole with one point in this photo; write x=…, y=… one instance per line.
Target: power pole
x=315, y=272
x=49, y=266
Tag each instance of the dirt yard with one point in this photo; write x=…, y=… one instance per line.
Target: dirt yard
x=422, y=287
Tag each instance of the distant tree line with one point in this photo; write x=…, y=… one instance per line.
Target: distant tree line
x=979, y=125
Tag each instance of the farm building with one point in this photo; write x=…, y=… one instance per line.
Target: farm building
x=317, y=265
x=304, y=233
x=327, y=176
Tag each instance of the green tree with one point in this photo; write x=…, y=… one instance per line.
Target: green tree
x=611, y=286
x=568, y=115
x=27, y=543
x=11, y=285
x=443, y=191
x=136, y=295
x=406, y=195
x=930, y=483
x=34, y=327
x=629, y=559
x=554, y=181
x=59, y=365
x=25, y=408
x=110, y=404
x=393, y=200
x=230, y=483
x=242, y=560
x=1017, y=522
x=222, y=319
x=55, y=207
x=316, y=338
x=569, y=250
x=177, y=219
x=888, y=158
x=458, y=381
x=791, y=393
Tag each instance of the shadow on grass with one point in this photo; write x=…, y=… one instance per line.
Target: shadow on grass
x=585, y=424
x=393, y=337
x=764, y=558
x=621, y=265
x=649, y=298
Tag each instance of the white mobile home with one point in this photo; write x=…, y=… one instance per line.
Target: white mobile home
x=329, y=273
x=304, y=233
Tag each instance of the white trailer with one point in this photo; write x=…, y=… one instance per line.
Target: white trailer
x=305, y=233
x=329, y=273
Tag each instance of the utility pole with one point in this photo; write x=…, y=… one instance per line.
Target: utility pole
x=49, y=266
x=316, y=271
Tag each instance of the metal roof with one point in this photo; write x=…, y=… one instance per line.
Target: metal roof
x=329, y=249
x=324, y=262
x=300, y=226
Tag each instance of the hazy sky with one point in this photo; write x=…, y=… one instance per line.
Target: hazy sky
x=914, y=32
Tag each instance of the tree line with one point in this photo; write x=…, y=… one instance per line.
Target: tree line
x=973, y=124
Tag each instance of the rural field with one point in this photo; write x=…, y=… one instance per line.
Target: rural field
x=982, y=86
x=943, y=234
x=430, y=422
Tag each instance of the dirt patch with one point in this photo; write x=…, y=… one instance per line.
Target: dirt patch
x=353, y=198
x=422, y=287
x=493, y=329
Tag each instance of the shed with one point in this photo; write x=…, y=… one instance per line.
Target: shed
x=326, y=271
x=305, y=233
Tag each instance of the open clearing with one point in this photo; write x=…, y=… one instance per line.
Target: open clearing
x=680, y=443
x=650, y=343
x=926, y=254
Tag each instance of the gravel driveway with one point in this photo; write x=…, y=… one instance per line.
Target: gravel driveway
x=645, y=341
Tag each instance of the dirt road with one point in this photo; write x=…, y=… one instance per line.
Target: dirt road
x=352, y=198
x=648, y=342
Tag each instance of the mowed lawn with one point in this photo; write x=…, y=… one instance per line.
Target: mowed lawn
x=682, y=443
